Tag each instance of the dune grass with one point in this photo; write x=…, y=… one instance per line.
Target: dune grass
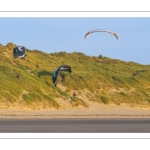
x=111, y=80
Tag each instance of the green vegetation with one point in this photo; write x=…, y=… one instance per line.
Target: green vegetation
x=105, y=99
x=104, y=80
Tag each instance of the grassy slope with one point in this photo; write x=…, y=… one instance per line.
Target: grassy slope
x=103, y=81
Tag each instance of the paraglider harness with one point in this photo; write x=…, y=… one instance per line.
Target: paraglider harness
x=100, y=56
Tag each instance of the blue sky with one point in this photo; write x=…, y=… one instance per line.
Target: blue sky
x=55, y=34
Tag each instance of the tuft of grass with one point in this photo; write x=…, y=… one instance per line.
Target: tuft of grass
x=105, y=99
x=75, y=101
x=122, y=93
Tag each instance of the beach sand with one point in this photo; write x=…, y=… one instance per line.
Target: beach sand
x=93, y=111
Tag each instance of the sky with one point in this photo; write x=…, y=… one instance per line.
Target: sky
x=55, y=34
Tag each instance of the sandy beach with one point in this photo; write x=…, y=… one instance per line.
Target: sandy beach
x=93, y=111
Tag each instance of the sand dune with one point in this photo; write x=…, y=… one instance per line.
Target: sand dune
x=66, y=110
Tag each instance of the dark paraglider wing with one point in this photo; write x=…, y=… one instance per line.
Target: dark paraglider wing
x=19, y=51
x=65, y=68
x=54, y=76
x=61, y=68
x=15, y=53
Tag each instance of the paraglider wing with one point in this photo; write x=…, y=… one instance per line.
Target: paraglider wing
x=100, y=30
x=19, y=51
x=61, y=68
x=15, y=53
x=115, y=35
x=65, y=68
x=54, y=76
x=86, y=35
